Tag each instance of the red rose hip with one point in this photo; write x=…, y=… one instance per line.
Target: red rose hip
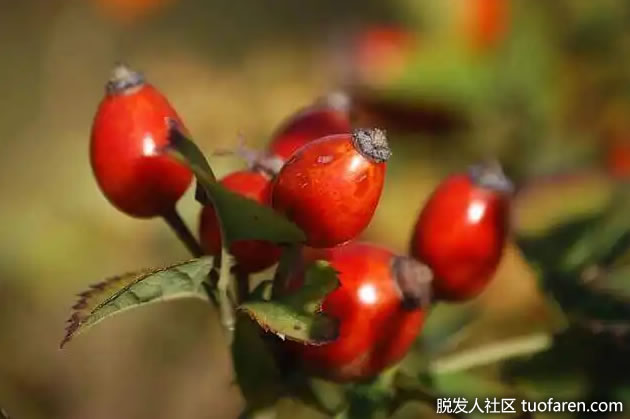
x=319, y=120
x=380, y=307
x=251, y=255
x=461, y=231
x=331, y=187
x=129, y=130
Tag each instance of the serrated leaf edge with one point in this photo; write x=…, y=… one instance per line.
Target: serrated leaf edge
x=75, y=321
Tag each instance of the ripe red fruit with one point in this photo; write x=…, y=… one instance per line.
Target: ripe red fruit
x=251, y=255
x=129, y=129
x=330, y=187
x=316, y=121
x=380, y=307
x=461, y=231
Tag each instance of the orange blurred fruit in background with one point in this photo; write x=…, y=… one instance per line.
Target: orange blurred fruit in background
x=130, y=11
x=615, y=138
x=618, y=158
x=484, y=23
x=382, y=52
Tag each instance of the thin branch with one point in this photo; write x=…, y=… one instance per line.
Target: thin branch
x=491, y=353
x=177, y=224
x=226, y=305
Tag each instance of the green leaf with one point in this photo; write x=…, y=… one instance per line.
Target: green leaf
x=490, y=354
x=330, y=396
x=580, y=256
x=319, y=281
x=291, y=408
x=188, y=151
x=604, y=240
x=559, y=372
x=287, y=322
x=586, y=213
x=615, y=282
x=372, y=399
x=121, y=293
x=622, y=394
x=240, y=218
x=547, y=202
x=408, y=388
x=469, y=385
x=547, y=251
x=601, y=296
x=446, y=325
x=258, y=375
x=553, y=213
x=581, y=264
x=297, y=316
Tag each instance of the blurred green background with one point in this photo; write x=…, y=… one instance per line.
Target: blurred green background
x=543, y=85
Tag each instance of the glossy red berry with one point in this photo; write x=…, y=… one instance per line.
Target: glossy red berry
x=461, y=231
x=380, y=307
x=316, y=121
x=128, y=132
x=330, y=187
x=251, y=255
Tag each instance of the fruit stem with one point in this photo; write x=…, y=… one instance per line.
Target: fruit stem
x=177, y=224
x=226, y=307
x=288, y=261
x=491, y=353
x=242, y=284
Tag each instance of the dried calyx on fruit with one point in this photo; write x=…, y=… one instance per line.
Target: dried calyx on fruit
x=490, y=175
x=123, y=79
x=413, y=280
x=372, y=143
